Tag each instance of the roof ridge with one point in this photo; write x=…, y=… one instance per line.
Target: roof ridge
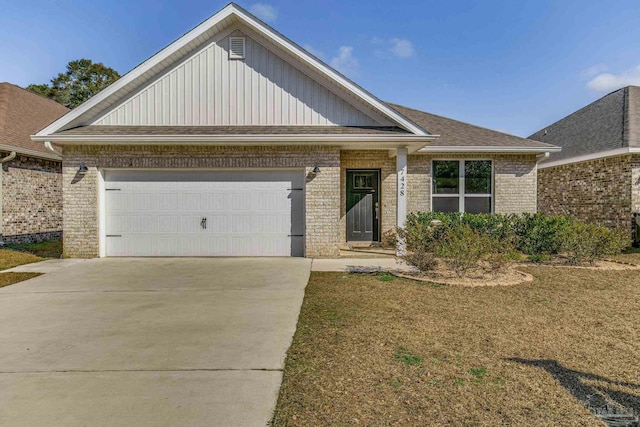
x=460, y=121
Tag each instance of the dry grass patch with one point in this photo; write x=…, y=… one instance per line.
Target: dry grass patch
x=47, y=249
x=378, y=352
x=10, y=259
x=7, y=279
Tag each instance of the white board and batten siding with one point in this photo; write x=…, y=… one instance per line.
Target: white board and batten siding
x=204, y=213
x=209, y=88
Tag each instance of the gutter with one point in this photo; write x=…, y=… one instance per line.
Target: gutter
x=50, y=147
x=4, y=160
x=30, y=153
x=489, y=149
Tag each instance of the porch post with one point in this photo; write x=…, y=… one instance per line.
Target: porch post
x=401, y=202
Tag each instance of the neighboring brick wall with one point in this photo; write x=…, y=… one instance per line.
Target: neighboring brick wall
x=635, y=183
x=370, y=159
x=514, y=181
x=31, y=200
x=81, y=193
x=597, y=190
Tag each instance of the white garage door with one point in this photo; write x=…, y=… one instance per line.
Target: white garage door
x=212, y=213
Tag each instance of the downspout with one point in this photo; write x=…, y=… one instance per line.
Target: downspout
x=4, y=160
x=50, y=147
x=542, y=156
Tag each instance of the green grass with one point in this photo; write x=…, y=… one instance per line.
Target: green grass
x=403, y=355
x=48, y=249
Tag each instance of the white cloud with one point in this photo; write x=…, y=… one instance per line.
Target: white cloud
x=386, y=48
x=264, y=11
x=593, y=71
x=315, y=52
x=402, y=48
x=345, y=62
x=606, y=82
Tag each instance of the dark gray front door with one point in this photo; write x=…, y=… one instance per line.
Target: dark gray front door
x=363, y=206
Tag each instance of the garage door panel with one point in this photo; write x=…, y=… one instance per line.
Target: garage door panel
x=159, y=213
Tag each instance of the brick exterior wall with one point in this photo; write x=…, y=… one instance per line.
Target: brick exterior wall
x=81, y=192
x=515, y=184
x=599, y=190
x=31, y=200
x=514, y=181
x=635, y=183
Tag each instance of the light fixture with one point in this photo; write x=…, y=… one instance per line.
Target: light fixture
x=316, y=170
x=82, y=170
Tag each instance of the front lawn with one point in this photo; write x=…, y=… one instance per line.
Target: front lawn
x=372, y=351
x=10, y=258
x=7, y=279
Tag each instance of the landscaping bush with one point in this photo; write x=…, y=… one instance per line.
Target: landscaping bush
x=538, y=234
x=466, y=238
x=420, y=258
x=586, y=242
x=463, y=247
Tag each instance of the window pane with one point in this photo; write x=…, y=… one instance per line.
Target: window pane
x=446, y=204
x=446, y=175
x=477, y=205
x=477, y=176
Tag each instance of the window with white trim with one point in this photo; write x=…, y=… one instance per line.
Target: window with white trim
x=462, y=186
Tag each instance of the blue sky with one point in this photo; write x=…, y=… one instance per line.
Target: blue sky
x=513, y=66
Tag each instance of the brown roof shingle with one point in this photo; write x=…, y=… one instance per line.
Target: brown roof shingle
x=454, y=133
x=22, y=114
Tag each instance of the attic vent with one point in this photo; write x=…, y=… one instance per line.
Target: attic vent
x=236, y=47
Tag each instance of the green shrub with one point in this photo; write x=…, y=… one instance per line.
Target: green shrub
x=420, y=258
x=586, y=242
x=537, y=234
x=463, y=247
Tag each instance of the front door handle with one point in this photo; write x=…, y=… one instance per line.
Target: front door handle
x=203, y=223
x=377, y=210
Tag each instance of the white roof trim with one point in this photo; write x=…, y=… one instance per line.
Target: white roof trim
x=488, y=149
x=590, y=156
x=30, y=153
x=241, y=139
x=260, y=27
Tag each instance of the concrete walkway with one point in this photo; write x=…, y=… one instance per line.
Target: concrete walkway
x=149, y=342
x=361, y=265
x=47, y=266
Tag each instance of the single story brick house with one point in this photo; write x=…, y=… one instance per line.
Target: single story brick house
x=31, y=175
x=596, y=176
x=233, y=140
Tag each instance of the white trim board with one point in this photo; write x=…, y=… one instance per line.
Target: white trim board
x=180, y=47
x=489, y=149
x=589, y=157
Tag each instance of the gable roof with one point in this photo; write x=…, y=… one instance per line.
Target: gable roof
x=188, y=43
x=460, y=136
x=21, y=114
x=610, y=123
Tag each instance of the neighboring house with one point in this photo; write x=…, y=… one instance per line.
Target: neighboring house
x=31, y=175
x=233, y=140
x=596, y=177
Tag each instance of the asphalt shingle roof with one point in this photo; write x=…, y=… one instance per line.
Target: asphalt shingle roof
x=22, y=114
x=611, y=122
x=454, y=133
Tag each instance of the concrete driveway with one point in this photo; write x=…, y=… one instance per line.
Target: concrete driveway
x=149, y=342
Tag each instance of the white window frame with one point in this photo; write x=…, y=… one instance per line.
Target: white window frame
x=461, y=187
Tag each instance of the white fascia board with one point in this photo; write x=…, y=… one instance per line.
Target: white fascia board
x=590, y=156
x=30, y=153
x=261, y=28
x=362, y=140
x=489, y=149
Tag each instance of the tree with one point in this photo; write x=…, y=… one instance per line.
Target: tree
x=82, y=80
